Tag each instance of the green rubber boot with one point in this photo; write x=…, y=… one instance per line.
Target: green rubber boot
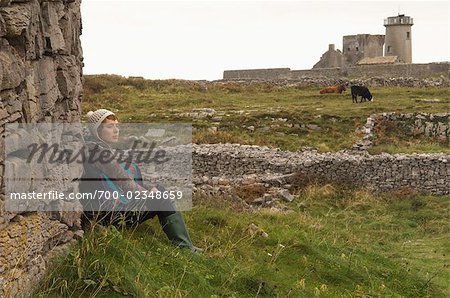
x=175, y=229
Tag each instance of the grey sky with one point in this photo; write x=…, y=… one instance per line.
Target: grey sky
x=199, y=40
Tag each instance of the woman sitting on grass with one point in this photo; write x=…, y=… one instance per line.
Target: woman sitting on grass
x=104, y=131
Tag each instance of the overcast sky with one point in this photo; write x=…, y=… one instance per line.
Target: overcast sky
x=201, y=39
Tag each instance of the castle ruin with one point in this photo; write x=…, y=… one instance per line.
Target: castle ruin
x=366, y=49
x=362, y=55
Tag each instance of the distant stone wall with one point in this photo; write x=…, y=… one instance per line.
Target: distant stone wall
x=400, y=70
x=436, y=126
x=325, y=81
x=40, y=81
x=276, y=73
x=388, y=71
x=428, y=173
x=316, y=73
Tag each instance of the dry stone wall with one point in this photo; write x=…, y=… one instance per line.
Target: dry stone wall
x=428, y=173
x=40, y=81
x=430, y=125
x=435, y=126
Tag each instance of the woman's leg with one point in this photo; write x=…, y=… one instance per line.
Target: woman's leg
x=171, y=222
x=174, y=227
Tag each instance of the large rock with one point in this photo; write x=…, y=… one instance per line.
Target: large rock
x=13, y=70
x=52, y=12
x=17, y=18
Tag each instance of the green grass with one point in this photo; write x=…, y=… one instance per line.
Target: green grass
x=335, y=242
x=261, y=105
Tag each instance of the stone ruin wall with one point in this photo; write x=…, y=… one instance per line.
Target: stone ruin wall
x=40, y=81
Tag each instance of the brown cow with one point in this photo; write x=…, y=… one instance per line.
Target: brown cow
x=333, y=89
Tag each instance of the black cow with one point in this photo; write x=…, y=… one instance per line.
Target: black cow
x=361, y=91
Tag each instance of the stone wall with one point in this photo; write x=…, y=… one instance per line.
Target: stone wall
x=428, y=173
x=332, y=72
x=386, y=71
x=435, y=126
x=324, y=81
x=40, y=81
x=400, y=70
x=276, y=73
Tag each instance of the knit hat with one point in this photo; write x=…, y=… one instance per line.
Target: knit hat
x=96, y=118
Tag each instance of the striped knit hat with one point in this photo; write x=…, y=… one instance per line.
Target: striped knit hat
x=96, y=118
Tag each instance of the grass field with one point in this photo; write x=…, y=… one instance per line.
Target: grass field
x=334, y=241
x=281, y=116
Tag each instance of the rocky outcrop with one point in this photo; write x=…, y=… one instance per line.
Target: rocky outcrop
x=40, y=81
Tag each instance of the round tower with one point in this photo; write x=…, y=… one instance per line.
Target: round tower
x=398, y=37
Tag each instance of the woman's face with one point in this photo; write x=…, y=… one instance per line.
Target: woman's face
x=109, y=131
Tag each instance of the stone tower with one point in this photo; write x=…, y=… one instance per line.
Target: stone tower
x=398, y=37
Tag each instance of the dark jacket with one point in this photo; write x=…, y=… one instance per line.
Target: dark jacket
x=97, y=175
